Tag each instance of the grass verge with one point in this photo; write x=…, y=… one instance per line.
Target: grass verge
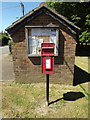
x=28, y=101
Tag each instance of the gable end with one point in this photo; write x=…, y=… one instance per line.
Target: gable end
x=34, y=13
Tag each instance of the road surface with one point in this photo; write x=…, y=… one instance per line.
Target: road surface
x=6, y=65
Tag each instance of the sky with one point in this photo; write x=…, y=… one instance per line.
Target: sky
x=9, y=12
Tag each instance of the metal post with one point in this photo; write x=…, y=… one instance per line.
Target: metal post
x=47, y=89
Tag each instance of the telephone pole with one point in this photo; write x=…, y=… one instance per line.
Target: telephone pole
x=22, y=5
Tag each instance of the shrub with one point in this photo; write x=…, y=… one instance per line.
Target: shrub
x=9, y=44
x=84, y=37
x=4, y=38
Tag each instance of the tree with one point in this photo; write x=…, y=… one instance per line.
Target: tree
x=78, y=13
x=4, y=38
x=85, y=36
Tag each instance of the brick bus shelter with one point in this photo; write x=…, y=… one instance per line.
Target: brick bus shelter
x=43, y=25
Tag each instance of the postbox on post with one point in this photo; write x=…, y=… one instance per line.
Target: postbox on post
x=47, y=58
x=47, y=64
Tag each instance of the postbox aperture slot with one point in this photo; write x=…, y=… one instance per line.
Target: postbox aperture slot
x=48, y=52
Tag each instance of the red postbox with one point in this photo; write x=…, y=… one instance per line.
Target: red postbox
x=47, y=58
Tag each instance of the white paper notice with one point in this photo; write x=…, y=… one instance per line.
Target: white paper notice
x=53, y=40
x=32, y=50
x=39, y=41
x=47, y=63
x=32, y=40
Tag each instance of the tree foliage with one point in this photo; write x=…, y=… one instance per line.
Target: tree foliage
x=4, y=38
x=9, y=44
x=78, y=13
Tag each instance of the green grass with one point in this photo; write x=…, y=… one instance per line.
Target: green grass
x=83, y=63
x=29, y=101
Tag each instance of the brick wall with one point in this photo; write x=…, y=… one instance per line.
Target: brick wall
x=28, y=70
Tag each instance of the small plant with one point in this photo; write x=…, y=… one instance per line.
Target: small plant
x=9, y=44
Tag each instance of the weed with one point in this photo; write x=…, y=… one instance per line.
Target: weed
x=51, y=94
x=53, y=87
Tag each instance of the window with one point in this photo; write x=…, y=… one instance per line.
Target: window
x=36, y=36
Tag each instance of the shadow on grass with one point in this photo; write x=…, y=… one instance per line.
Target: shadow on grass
x=80, y=76
x=70, y=96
